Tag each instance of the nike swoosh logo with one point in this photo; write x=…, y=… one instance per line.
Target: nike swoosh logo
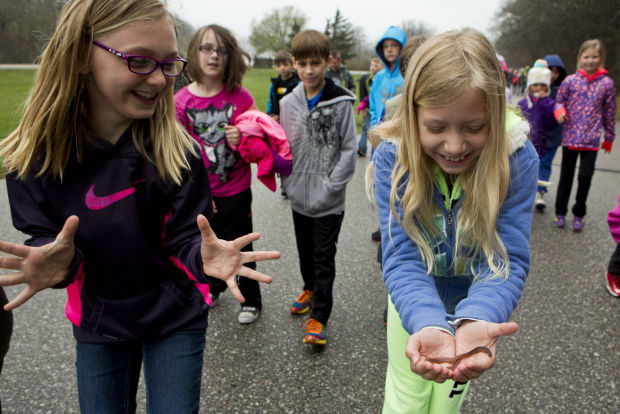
x=94, y=202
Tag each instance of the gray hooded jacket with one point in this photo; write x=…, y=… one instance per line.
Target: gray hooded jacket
x=323, y=143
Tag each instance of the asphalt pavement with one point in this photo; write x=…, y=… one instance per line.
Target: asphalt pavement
x=564, y=359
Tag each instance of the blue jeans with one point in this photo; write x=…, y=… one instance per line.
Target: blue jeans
x=544, y=167
x=364, y=135
x=108, y=374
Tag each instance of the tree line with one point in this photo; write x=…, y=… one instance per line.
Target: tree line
x=524, y=31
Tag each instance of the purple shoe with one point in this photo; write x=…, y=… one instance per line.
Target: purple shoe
x=578, y=223
x=560, y=221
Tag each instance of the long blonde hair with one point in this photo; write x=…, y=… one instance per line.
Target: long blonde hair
x=53, y=122
x=441, y=70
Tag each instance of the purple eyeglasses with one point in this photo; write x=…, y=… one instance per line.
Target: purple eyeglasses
x=145, y=65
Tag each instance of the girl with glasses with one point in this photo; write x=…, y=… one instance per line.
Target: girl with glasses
x=208, y=108
x=113, y=195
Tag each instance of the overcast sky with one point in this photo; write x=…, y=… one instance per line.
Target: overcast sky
x=442, y=15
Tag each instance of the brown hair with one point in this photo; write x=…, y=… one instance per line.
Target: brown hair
x=282, y=57
x=235, y=64
x=408, y=50
x=592, y=44
x=309, y=44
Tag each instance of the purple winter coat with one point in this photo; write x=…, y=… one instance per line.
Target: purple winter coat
x=590, y=105
x=541, y=120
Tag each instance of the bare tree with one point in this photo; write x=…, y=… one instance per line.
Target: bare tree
x=275, y=30
x=413, y=28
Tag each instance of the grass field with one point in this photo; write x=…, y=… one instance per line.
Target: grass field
x=16, y=83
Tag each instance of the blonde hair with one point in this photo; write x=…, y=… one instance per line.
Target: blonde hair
x=441, y=70
x=55, y=110
x=592, y=44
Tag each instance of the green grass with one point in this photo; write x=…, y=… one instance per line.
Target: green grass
x=14, y=87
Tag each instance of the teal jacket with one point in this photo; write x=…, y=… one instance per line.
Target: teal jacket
x=386, y=83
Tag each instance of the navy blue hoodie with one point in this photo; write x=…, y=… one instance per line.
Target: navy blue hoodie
x=137, y=270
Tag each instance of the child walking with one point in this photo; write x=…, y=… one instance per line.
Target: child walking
x=319, y=122
x=585, y=106
x=554, y=135
x=363, y=107
x=283, y=84
x=208, y=109
x=387, y=82
x=455, y=179
x=537, y=107
x=113, y=195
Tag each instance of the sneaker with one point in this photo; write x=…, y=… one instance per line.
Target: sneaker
x=248, y=314
x=376, y=236
x=283, y=193
x=540, y=201
x=361, y=153
x=560, y=221
x=315, y=332
x=578, y=223
x=303, y=303
x=384, y=317
x=613, y=284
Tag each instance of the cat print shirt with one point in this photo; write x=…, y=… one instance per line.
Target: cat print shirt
x=205, y=119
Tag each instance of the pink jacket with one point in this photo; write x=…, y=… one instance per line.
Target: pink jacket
x=264, y=143
x=613, y=219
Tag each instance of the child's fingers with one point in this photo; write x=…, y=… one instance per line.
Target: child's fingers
x=20, y=299
x=503, y=329
x=19, y=250
x=12, y=263
x=12, y=279
x=205, y=228
x=240, y=242
x=234, y=289
x=69, y=228
x=259, y=256
x=253, y=274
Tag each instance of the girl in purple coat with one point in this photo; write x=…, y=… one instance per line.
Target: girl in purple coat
x=585, y=105
x=537, y=107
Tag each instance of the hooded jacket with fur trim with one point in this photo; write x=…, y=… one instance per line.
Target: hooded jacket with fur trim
x=451, y=292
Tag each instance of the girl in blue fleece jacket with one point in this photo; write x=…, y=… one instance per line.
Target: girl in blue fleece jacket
x=455, y=180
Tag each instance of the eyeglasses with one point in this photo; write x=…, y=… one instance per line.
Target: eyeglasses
x=208, y=49
x=145, y=65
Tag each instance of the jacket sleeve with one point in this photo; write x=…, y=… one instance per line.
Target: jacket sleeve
x=343, y=171
x=33, y=214
x=374, y=102
x=494, y=300
x=411, y=288
x=182, y=236
x=613, y=219
x=609, y=113
x=350, y=82
x=271, y=110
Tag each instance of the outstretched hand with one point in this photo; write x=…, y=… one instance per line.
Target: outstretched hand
x=428, y=344
x=38, y=267
x=224, y=259
x=472, y=334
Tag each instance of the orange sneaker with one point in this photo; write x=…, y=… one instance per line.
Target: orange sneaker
x=315, y=332
x=303, y=303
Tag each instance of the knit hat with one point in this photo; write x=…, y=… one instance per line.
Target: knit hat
x=538, y=75
x=541, y=63
x=535, y=76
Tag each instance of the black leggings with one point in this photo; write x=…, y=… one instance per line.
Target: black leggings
x=6, y=329
x=584, y=179
x=614, y=262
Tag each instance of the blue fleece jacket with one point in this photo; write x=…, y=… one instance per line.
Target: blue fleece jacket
x=386, y=83
x=451, y=292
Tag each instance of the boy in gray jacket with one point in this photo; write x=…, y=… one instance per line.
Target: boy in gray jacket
x=319, y=122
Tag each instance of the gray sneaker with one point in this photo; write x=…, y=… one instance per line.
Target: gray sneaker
x=248, y=314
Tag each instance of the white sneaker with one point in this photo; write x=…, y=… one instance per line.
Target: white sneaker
x=540, y=201
x=248, y=314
